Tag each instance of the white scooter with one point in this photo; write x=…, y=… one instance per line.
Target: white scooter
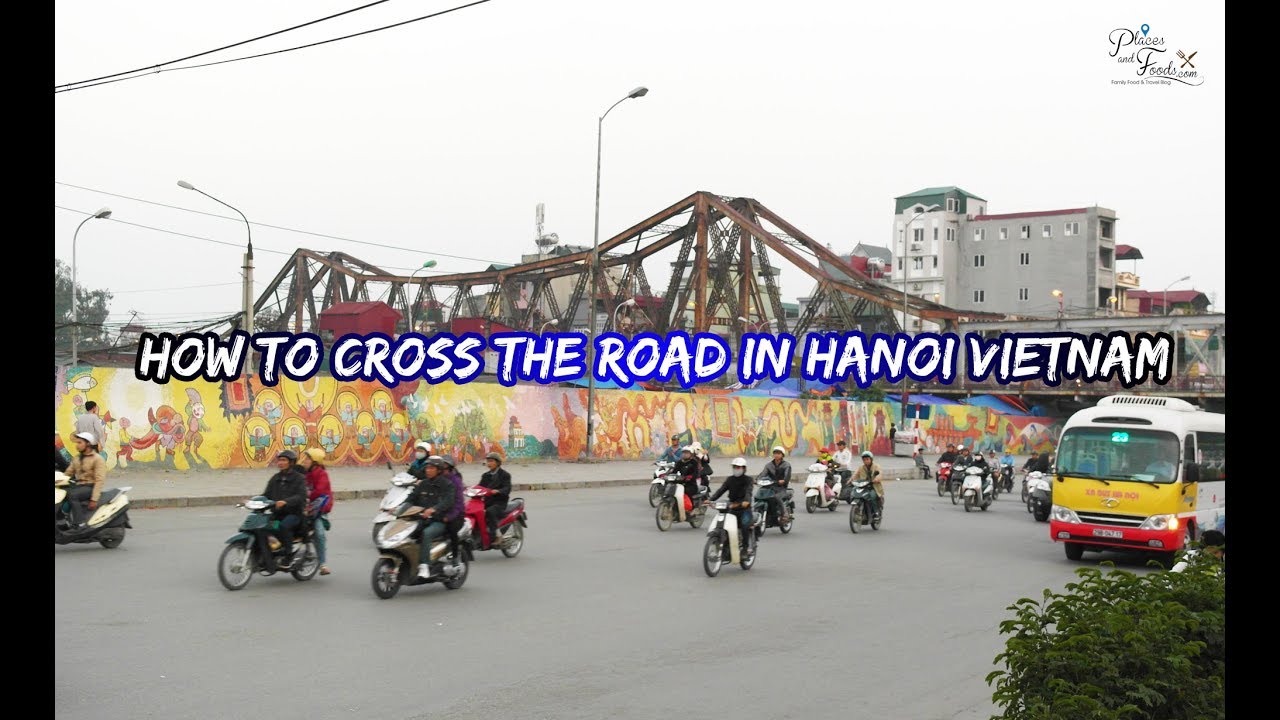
x=660, y=470
x=725, y=542
x=976, y=488
x=401, y=485
x=817, y=492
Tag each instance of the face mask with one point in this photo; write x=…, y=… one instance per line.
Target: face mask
x=420, y=454
x=738, y=472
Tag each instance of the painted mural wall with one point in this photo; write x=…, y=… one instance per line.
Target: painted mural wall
x=200, y=425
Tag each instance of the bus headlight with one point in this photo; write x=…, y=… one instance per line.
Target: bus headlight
x=1065, y=515
x=1160, y=522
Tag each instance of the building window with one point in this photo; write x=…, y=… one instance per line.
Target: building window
x=935, y=262
x=979, y=261
x=979, y=234
x=1046, y=231
x=951, y=234
x=1026, y=232
x=979, y=296
x=1004, y=233
x=917, y=263
x=1024, y=259
x=899, y=264
x=1107, y=258
x=953, y=205
x=1071, y=229
x=917, y=235
x=1106, y=229
x=935, y=233
x=1024, y=294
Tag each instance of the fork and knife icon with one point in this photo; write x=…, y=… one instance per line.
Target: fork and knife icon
x=1186, y=59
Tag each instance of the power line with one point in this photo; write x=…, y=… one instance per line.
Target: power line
x=224, y=47
x=277, y=227
x=274, y=52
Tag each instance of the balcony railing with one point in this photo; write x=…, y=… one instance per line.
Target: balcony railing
x=1127, y=279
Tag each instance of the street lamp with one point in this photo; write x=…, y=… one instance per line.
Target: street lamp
x=1058, y=294
x=906, y=227
x=552, y=321
x=425, y=265
x=1111, y=302
x=1166, y=292
x=595, y=273
x=751, y=325
x=247, y=292
x=629, y=303
x=102, y=214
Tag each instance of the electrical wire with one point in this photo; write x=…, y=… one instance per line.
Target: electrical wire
x=273, y=52
x=224, y=47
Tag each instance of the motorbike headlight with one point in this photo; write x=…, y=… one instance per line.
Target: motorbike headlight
x=1065, y=515
x=1160, y=522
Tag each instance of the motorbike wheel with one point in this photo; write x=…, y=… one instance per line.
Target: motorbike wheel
x=664, y=515
x=386, y=580
x=954, y=499
x=456, y=581
x=811, y=503
x=875, y=519
x=515, y=541
x=236, y=566
x=968, y=503
x=855, y=517
x=941, y=490
x=748, y=559
x=1041, y=515
x=112, y=541
x=377, y=528
x=985, y=505
x=790, y=521
x=310, y=564
x=655, y=494
x=712, y=556
x=1026, y=496
x=834, y=504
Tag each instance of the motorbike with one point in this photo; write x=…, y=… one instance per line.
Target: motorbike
x=1006, y=478
x=862, y=503
x=511, y=526
x=671, y=508
x=105, y=526
x=944, y=478
x=726, y=542
x=400, y=552
x=762, y=508
x=821, y=488
x=977, y=488
x=256, y=549
x=1040, y=499
x=401, y=485
x=660, y=470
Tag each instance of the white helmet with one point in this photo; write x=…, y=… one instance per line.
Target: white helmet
x=87, y=437
x=423, y=445
x=686, y=449
x=778, y=448
x=738, y=462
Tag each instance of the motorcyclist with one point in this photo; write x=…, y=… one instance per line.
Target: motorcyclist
x=738, y=485
x=436, y=494
x=288, y=489
x=500, y=480
x=690, y=469
x=454, y=517
x=950, y=455
x=779, y=470
x=704, y=458
x=421, y=452
x=844, y=461
x=870, y=470
x=90, y=472
x=672, y=453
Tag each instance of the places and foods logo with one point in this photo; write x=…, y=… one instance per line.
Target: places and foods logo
x=1153, y=61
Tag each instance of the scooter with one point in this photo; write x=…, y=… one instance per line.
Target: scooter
x=821, y=488
x=944, y=478
x=1006, y=478
x=976, y=488
x=107, y=524
x=671, y=508
x=763, y=509
x=660, y=470
x=401, y=485
x=256, y=549
x=726, y=542
x=862, y=503
x=1040, y=501
x=400, y=550
x=510, y=538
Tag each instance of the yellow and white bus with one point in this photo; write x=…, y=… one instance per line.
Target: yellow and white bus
x=1139, y=473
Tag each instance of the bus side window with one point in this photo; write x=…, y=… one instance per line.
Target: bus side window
x=1213, y=456
x=1189, y=453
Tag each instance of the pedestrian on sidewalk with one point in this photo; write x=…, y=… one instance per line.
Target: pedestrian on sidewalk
x=317, y=485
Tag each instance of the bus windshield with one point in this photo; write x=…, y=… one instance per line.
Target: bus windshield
x=1110, y=453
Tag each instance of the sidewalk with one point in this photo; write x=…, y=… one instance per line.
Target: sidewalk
x=160, y=489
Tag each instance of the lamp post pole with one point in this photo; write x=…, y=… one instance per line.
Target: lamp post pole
x=1165, y=306
x=102, y=214
x=425, y=265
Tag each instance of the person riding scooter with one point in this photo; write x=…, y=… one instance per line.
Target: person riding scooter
x=950, y=455
x=844, y=461
x=90, y=472
x=672, y=453
x=421, y=452
x=869, y=470
x=689, y=466
x=436, y=494
x=288, y=489
x=779, y=470
x=738, y=485
x=499, y=480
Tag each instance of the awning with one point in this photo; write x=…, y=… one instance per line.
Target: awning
x=921, y=399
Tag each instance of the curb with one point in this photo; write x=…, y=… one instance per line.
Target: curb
x=210, y=501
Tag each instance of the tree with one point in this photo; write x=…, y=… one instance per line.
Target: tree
x=1119, y=646
x=92, y=307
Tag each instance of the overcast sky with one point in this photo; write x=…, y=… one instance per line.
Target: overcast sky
x=443, y=135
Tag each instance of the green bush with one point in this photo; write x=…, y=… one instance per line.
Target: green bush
x=1118, y=646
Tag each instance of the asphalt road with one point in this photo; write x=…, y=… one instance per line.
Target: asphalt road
x=600, y=616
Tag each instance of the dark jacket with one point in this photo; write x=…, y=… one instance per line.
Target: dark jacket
x=499, y=480
x=948, y=457
x=690, y=469
x=437, y=492
x=780, y=471
x=459, y=496
x=739, y=488
x=291, y=487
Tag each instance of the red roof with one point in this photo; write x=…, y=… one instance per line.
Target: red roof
x=1128, y=252
x=360, y=308
x=1175, y=296
x=1038, y=213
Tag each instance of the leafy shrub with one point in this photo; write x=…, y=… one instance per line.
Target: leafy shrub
x=1118, y=646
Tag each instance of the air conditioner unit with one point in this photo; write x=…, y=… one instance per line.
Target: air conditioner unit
x=915, y=247
x=916, y=286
